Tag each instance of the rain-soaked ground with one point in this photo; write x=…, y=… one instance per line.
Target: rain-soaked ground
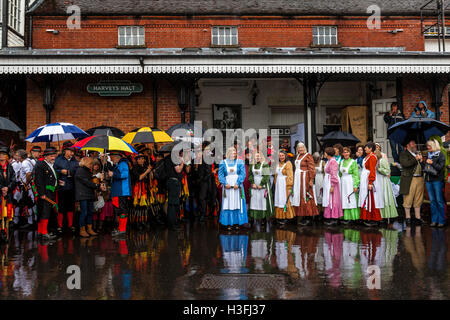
x=202, y=263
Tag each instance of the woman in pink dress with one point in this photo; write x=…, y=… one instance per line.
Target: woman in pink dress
x=331, y=200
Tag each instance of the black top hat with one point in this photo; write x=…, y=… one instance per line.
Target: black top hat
x=50, y=151
x=67, y=146
x=36, y=149
x=4, y=149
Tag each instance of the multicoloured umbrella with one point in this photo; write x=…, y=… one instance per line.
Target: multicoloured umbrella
x=147, y=135
x=104, y=143
x=58, y=131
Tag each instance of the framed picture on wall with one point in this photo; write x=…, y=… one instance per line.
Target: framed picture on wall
x=227, y=116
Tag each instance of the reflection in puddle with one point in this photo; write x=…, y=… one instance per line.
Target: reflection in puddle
x=202, y=263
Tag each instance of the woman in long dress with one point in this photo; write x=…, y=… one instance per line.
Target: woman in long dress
x=370, y=191
x=261, y=201
x=331, y=190
x=349, y=173
x=284, y=179
x=318, y=180
x=232, y=176
x=390, y=205
x=303, y=194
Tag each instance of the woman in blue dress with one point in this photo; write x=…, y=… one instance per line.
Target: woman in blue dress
x=232, y=176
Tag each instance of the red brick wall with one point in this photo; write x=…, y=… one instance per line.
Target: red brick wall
x=181, y=32
x=75, y=105
x=414, y=90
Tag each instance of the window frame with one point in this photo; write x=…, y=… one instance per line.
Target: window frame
x=225, y=36
x=14, y=15
x=324, y=36
x=127, y=38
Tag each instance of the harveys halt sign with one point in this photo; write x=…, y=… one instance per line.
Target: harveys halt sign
x=114, y=88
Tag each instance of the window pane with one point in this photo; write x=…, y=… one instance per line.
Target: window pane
x=315, y=31
x=321, y=32
x=333, y=31
x=234, y=31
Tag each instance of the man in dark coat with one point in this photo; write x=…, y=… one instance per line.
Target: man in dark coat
x=7, y=185
x=206, y=184
x=46, y=182
x=412, y=183
x=65, y=166
x=391, y=118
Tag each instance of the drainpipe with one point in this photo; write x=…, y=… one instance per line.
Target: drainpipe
x=5, y=24
x=49, y=102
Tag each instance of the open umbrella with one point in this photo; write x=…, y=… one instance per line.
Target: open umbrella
x=104, y=143
x=105, y=131
x=147, y=135
x=56, y=132
x=8, y=125
x=420, y=129
x=186, y=126
x=344, y=138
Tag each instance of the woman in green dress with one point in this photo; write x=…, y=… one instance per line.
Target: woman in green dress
x=261, y=201
x=390, y=205
x=349, y=174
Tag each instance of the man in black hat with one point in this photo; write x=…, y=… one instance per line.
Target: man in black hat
x=7, y=186
x=46, y=181
x=65, y=166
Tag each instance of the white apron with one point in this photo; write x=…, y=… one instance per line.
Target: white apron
x=347, y=187
x=280, y=188
x=257, y=200
x=231, y=199
x=299, y=179
x=318, y=184
x=364, y=191
x=326, y=188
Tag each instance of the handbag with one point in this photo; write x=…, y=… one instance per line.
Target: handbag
x=429, y=169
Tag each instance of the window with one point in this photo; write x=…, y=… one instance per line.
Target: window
x=14, y=14
x=224, y=36
x=433, y=31
x=325, y=35
x=131, y=36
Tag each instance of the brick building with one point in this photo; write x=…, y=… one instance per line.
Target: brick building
x=272, y=63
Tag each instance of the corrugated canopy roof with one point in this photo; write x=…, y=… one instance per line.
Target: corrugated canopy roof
x=228, y=7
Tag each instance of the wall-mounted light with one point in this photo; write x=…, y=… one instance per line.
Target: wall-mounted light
x=396, y=31
x=52, y=31
x=254, y=92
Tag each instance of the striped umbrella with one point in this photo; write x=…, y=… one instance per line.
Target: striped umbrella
x=147, y=135
x=58, y=131
x=104, y=143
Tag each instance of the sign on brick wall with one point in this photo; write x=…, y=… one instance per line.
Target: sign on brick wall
x=114, y=88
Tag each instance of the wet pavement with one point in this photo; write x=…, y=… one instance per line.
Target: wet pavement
x=202, y=262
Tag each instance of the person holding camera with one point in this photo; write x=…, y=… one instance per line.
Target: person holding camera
x=412, y=182
x=434, y=179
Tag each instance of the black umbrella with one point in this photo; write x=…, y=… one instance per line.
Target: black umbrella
x=105, y=131
x=344, y=138
x=8, y=125
x=167, y=148
x=186, y=126
x=420, y=129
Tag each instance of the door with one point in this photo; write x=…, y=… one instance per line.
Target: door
x=379, y=108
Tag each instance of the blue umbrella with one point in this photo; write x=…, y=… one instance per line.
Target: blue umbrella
x=59, y=131
x=417, y=128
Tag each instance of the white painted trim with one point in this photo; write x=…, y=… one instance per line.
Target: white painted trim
x=13, y=64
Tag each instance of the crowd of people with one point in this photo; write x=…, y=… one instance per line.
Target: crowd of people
x=91, y=193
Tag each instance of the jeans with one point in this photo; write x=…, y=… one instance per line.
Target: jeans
x=436, y=194
x=394, y=146
x=87, y=208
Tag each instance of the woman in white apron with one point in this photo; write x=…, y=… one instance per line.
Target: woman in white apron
x=303, y=195
x=283, y=188
x=232, y=176
x=331, y=200
x=349, y=173
x=261, y=200
x=389, y=211
x=370, y=193
x=318, y=180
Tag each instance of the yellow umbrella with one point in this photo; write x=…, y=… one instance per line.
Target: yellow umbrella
x=147, y=135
